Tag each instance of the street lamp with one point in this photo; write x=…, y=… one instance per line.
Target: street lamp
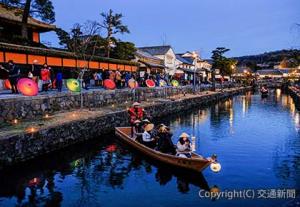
x=195, y=55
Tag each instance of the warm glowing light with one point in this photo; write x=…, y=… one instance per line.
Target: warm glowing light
x=113, y=105
x=73, y=115
x=215, y=167
x=31, y=130
x=15, y=121
x=46, y=116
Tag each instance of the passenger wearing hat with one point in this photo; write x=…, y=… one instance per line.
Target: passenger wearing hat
x=136, y=113
x=164, y=143
x=148, y=139
x=184, y=147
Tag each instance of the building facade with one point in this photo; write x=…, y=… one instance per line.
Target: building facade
x=164, y=53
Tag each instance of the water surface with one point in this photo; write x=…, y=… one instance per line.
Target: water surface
x=257, y=142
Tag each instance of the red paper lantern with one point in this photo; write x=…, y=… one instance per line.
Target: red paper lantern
x=27, y=87
x=109, y=84
x=150, y=83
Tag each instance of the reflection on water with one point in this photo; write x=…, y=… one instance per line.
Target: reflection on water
x=256, y=139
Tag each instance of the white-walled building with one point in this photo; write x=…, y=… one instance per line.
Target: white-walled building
x=165, y=53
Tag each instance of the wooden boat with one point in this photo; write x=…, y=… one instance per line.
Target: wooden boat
x=195, y=163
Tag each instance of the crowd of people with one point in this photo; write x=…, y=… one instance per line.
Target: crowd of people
x=50, y=78
x=158, y=138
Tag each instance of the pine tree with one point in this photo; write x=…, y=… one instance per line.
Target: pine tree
x=42, y=9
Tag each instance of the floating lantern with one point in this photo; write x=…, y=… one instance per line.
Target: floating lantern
x=175, y=83
x=109, y=84
x=6, y=84
x=133, y=83
x=27, y=87
x=73, y=85
x=150, y=83
x=215, y=167
x=162, y=83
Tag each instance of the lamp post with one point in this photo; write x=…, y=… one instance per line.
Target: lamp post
x=195, y=59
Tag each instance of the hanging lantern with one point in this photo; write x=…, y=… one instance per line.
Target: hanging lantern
x=27, y=87
x=215, y=167
x=6, y=84
x=109, y=84
x=162, y=83
x=133, y=83
x=73, y=85
x=150, y=83
x=175, y=83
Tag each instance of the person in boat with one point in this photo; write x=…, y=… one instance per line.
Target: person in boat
x=139, y=129
x=164, y=143
x=136, y=112
x=148, y=139
x=184, y=147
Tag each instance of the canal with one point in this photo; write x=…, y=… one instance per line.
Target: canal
x=257, y=142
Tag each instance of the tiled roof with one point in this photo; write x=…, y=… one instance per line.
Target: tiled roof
x=185, y=60
x=15, y=15
x=145, y=54
x=156, y=50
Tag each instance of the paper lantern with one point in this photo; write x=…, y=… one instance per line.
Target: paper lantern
x=133, y=83
x=109, y=84
x=27, y=87
x=175, y=83
x=215, y=167
x=162, y=83
x=73, y=85
x=150, y=83
x=6, y=84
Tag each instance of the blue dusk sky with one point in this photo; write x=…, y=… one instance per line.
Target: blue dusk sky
x=245, y=26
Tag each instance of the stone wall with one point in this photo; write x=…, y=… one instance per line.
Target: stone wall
x=26, y=146
x=22, y=107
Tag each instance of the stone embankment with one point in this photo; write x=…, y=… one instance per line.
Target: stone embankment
x=30, y=139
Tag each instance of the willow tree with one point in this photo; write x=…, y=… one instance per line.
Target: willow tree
x=42, y=9
x=112, y=23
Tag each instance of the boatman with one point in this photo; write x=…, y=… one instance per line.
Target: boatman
x=136, y=112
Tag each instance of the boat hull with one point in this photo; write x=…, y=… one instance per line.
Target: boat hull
x=196, y=163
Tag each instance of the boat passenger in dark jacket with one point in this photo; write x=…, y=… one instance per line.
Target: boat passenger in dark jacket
x=164, y=143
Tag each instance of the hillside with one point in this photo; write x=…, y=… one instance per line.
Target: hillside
x=271, y=58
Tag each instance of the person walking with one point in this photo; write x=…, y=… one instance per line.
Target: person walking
x=118, y=79
x=59, y=79
x=45, y=76
x=13, y=76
